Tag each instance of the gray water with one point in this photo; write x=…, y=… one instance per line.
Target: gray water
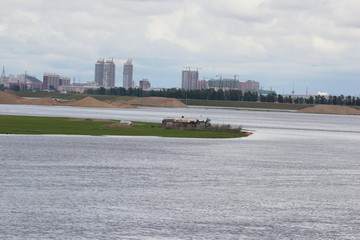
x=296, y=177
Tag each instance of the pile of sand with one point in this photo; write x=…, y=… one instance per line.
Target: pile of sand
x=331, y=109
x=8, y=98
x=89, y=102
x=157, y=102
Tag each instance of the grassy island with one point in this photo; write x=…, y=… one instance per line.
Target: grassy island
x=99, y=127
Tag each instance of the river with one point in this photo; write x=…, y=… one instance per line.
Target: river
x=296, y=177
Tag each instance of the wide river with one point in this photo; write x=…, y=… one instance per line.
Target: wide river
x=296, y=177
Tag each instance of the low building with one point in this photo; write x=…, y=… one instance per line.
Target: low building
x=54, y=81
x=249, y=86
x=183, y=123
x=24, y=81
x=144, y=84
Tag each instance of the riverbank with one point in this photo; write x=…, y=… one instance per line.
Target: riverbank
x=81, y=100
x=100, y=127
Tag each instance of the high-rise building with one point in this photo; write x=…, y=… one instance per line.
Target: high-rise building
x=224, y=84
x=128, y=74
x=202, y=84
x=189, y=80
x=249, y=85
x=99, y=72
x=109, y=73
x=3, y=76
x=105, y=73
x=144, y=84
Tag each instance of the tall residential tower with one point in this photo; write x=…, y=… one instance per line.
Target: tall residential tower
x=128, y=74
x=105, y=73
x=189, y=80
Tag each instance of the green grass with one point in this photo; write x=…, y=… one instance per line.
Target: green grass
x=70, y=126
x=69, y=96
x=212, y=103
x=238, y=104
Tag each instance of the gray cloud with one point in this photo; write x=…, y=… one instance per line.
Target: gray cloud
x=273, y=41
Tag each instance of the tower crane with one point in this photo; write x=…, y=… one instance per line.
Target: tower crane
x=236, y=75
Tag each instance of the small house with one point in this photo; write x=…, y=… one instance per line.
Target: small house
x=183, y=123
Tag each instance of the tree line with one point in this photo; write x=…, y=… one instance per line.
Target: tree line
x=227, y=95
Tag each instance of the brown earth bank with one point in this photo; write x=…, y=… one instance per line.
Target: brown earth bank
x=331, y=109
x=10, y=98
x=92, y=102
x=157, y=102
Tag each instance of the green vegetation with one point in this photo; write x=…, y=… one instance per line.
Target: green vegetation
x=69, y=96
x=97, y=127
x=235, y=104
x=209, y=97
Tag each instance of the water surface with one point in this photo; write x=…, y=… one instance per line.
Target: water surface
x=297, y=177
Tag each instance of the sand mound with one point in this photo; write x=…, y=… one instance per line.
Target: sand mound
x=331, y=109
x=8, y=98
x=157, y=102
x=90, y=102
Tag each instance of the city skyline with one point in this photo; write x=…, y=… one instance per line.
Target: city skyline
x=105, y=73
x=306, y=44
x=128, y=81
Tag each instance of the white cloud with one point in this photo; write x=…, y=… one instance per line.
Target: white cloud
x=326, y=46
x=267, y=40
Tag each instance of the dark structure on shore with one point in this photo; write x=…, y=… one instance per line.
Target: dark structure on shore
x=184, y=123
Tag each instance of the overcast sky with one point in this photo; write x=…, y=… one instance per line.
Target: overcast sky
x=308, y=43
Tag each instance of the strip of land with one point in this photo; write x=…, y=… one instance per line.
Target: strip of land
x=99, y=127
x=87, y=101
x=108, y=101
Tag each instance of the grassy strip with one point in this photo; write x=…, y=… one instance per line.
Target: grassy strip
x=238, y=104
x=197, y=102
x=96, y=127
x=70, y=96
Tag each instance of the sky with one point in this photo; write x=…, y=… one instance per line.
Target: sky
x=283, y=44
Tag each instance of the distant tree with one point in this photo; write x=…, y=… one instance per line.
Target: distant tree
x=311, y=100
x=101, y=91
x=323, y=100
x=348, y=100
x=357, y=101
x=271, y=97
x=2, y=87
x=247, y=96
x=234, y=95
x=290, y=99
x=280, y=98
x=334, y=100
x=15, y=88
x=299, y=100
x=353, y=101
x=263, y=98
x=341, y=100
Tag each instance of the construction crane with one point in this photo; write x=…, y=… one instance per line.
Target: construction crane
x=220, y=81
x=236, y=75
x=189, y=68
